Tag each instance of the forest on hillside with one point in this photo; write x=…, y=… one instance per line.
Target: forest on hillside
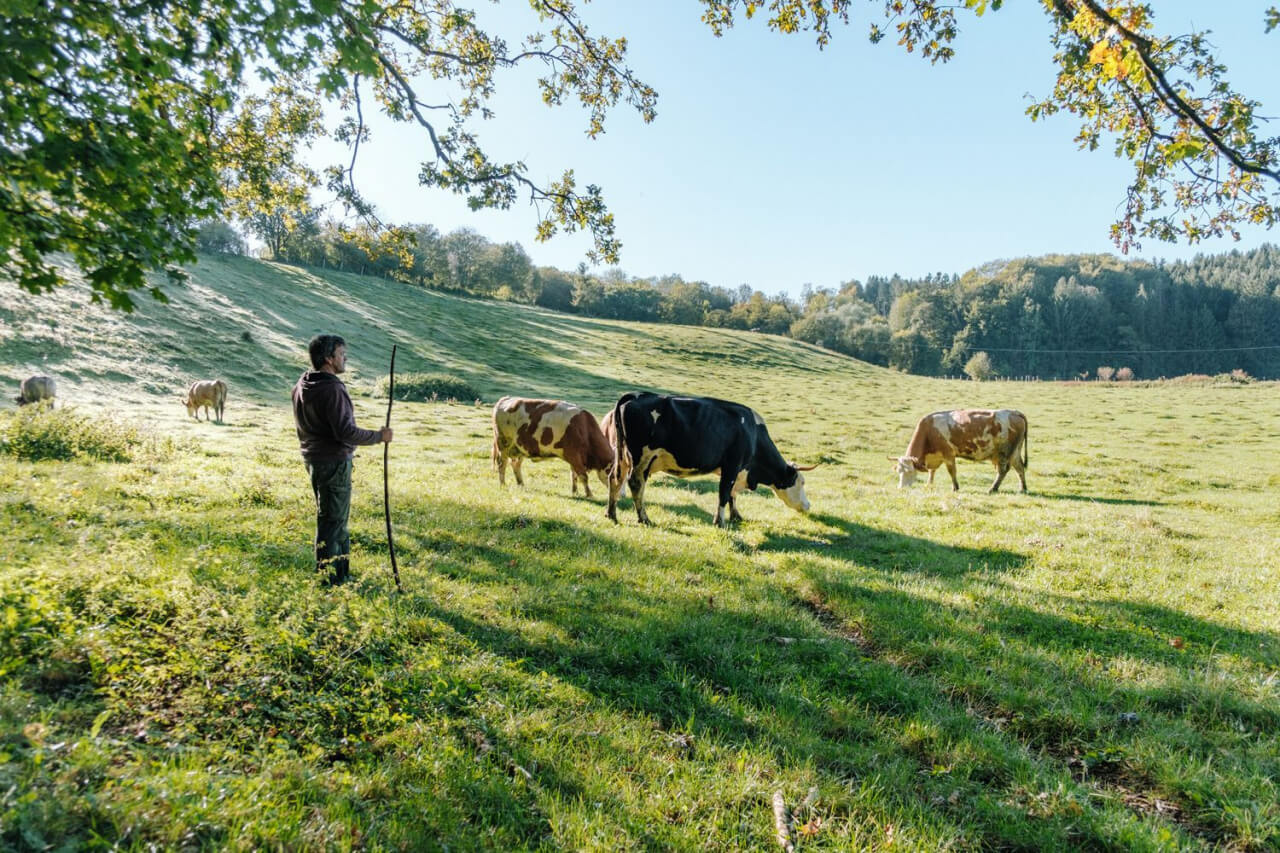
x=1053, y=317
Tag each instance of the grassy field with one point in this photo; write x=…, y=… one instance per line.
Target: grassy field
x=1094, y=665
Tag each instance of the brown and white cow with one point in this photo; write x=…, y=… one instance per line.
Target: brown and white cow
x=546, y=429
x=995, y=435
x=206, y=394
x=36, y=388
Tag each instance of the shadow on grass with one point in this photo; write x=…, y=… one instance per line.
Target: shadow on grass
x=752, y=669
x=889, y=551
x=707, y=490
x=1060, y=679
x=1036, y=493
x=815, y=700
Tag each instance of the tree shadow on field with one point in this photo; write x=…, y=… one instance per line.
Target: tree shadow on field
x=1053, y=496
x=1047, y=670
x=553, y=596
x=772, y=673
x=889, y=551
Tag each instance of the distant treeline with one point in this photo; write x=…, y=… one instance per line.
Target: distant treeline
x=1054, y=317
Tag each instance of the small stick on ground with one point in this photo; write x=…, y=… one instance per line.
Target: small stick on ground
x=782, y=822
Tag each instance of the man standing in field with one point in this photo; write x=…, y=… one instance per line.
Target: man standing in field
x=329, y=436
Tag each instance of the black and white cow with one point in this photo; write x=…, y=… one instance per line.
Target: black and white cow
x=685, y=436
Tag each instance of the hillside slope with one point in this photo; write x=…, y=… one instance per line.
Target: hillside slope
x=248, y=321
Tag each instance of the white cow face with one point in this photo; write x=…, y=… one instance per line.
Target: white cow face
x=905, y=468
x=794, y=496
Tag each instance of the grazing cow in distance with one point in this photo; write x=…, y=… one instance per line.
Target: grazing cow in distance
x=685, y=436
x=998, y=435
x=545, y=429
x=34, y=389
x=206, y=394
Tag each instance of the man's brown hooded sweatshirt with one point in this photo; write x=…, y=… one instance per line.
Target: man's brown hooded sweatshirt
x=326, y=421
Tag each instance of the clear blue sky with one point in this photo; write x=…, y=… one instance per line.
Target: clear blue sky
x=777, y=165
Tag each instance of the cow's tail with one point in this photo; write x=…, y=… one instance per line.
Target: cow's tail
x=1026, y=438
x=619, y=437
x=220, y=391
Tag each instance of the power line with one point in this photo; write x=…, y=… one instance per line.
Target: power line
x=1120, y=351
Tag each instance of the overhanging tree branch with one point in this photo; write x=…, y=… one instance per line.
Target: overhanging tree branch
x=1166, y=93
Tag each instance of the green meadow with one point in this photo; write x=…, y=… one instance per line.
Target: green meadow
x=1094, y=665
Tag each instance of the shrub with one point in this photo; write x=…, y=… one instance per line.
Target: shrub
x=1105, y=374
x=427, y=387
x=42, y=432
x=1238, y=375
x=1124, y=374
x=979, y=367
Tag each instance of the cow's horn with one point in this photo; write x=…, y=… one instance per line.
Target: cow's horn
x=805, y=467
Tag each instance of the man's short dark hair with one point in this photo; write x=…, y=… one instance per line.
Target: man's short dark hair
x=322, y=347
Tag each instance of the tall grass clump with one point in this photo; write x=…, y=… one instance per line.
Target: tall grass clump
x=43, y=432
x=427, y=387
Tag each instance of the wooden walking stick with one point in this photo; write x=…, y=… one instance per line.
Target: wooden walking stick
x=386, y=455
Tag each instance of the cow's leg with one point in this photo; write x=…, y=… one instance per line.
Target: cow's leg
x=1020, y=469
x=951, y=469
x=515, y=467
x=636, y=483
x=1002, y=468
x=580, y=475
x=734, y=515
x=728, y=477
x=578, y=467
x=932, y=471
x=612, y=512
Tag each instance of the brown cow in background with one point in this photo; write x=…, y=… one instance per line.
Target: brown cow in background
x=206, y=394
x=545, y=429
x=998, y=435
x=35, y=389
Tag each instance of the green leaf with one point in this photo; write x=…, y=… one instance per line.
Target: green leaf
x=98, y=721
